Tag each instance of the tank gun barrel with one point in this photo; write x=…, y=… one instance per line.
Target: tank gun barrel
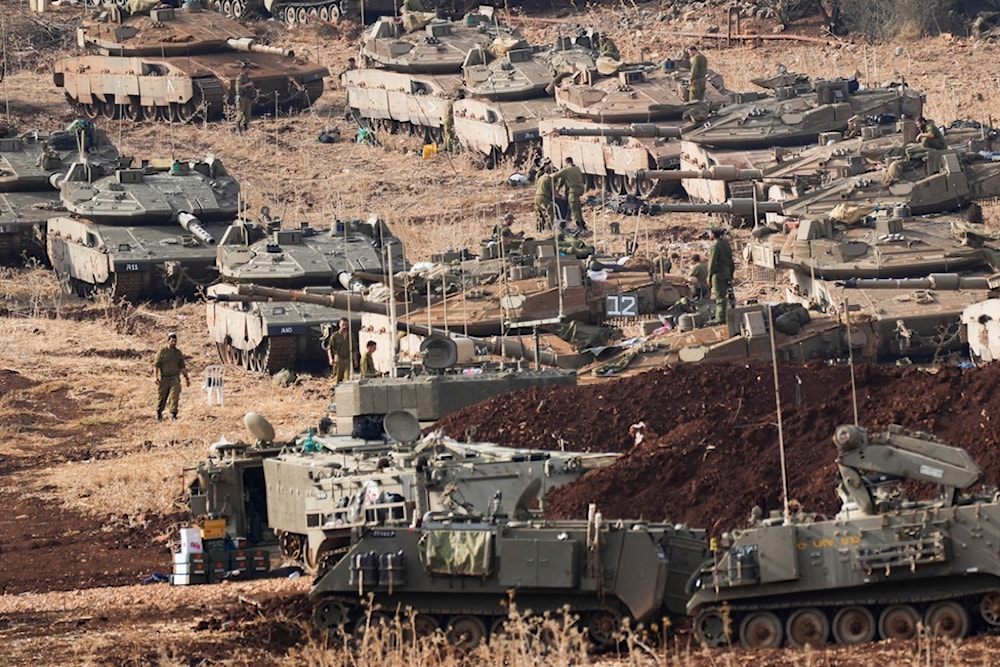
x=351, y=301
x=640, y=130
x=720, y=172
x=250, y=45
x=935, y=281
x=739, y=206
x=193, y=225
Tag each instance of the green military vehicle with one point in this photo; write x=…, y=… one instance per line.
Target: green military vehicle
x=881, y=568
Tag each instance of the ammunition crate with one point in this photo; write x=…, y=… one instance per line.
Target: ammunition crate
x=260, y=561
x=214, y=529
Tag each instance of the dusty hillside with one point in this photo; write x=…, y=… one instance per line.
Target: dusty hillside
x=89, y=481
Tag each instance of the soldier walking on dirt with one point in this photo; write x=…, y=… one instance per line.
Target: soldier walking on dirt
x=168, y=367
x=571, y=178
x=338, y=351
x=245, y=92
x=699, y=72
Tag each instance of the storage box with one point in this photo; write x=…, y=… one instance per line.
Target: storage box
x=213, y=529
x=191, y=541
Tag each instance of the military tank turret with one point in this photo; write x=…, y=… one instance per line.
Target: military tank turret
x=792, y=117
x=27, y=164
x=267, y=254
x=884, y=566
x=181, y=64
x=143, y=232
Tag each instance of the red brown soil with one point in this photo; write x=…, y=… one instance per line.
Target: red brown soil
x=711, y=449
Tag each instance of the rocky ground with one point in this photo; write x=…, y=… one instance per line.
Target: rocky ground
x=89, y=482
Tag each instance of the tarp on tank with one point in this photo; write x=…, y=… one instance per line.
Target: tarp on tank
x=457, y=552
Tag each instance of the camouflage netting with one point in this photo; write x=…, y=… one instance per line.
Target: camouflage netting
x=710, y=451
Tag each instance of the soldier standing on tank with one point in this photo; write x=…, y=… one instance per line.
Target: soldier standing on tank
x=720, y=273
x=662, y=264
x=699, y=72
x=338, y=351
x=168, y=367
x=930, y=135
x=545, y=209
x=367, y=360
x=571, y=178
x=698, y=277
x=245, y=93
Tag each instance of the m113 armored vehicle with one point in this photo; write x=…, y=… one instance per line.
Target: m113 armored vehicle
x=181, y=64
x=460, y=575
x=143, y=232
x=881, y=568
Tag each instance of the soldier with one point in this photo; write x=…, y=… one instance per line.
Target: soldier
x=168, y=367
x=699, y=71
x=698, y=277
x=502, y=230
x=545, y=212
x=338, y=351
x=367, y=362
x=662, y=264
x=571, y=178
x=608, y=48
x=930, y=136
x=720, y=273
x=245, y=93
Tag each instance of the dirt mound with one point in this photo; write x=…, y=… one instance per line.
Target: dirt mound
x=710, y=451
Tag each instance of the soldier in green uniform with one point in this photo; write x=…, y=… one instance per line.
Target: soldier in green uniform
x=168, y=367
x=571, y=178
x=338, y=351
x=367, y=362
x=930, y=135
x=720, y=273
x=698, y=277
x=608, y=48
x=662, y=264
x=545, y=210
x=699, y=72
x=245, y=92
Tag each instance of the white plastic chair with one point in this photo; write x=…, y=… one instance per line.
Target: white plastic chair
x=213, y=383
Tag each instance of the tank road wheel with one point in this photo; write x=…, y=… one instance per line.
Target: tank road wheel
x=149, y=112
x=898, y=621
x=335, y=14
x=647, y=187
x=163, y=113
x=808, y=626
x=418, y=627
x=603, y=629
x=711, y=628
x=324, y=13
x=947, y=619
x=853, y=625
x=761, y=629
x=227, y=7
x=313, y=14
x=329, y=615
x=600, y=183
x=291, y=546
x=616, y=184
x=91, y=111
x=302, y=15
x=187, y=112
x=109, y=109
x=131, y=110
x=465, y=632
x=289, y=15
x=989, y=608
x=239, y=8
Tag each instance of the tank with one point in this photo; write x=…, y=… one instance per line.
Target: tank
x=267, y=254
x=311, y=11
x=884, y=566
x=503, y=129
x=397, y=102
x=611, y=155
x=180, y=65
x=638, y=93
x=440, y=47
x=144, y=232
x=791, y=117
x=27, y=198
x=462, y=575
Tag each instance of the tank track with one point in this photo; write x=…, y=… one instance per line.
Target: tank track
x=298, y=11
x=859, y=617
x=273, y=354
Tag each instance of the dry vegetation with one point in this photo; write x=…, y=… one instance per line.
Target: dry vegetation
x=88, y=405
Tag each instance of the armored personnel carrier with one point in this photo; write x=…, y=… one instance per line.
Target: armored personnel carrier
x=792, y=117
x=143, y=232
x=460, y=574
x=306, y=11
x=181, y=64
x=882, y=567
x=28, y=164
x=267, y=254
